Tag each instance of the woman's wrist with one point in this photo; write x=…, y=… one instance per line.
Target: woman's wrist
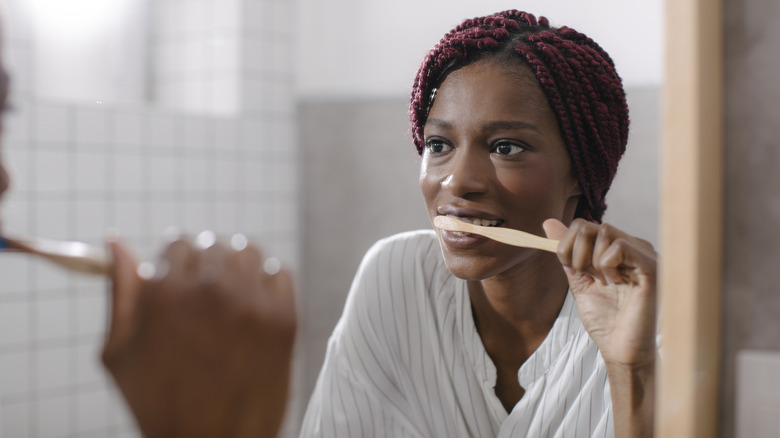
x=632, y=387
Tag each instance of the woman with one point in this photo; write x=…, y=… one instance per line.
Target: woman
x=519, y=125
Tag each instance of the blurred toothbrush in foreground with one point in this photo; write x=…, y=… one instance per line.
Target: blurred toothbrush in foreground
x=73, y=256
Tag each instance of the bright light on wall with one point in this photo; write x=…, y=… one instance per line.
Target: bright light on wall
x=89, y=50
x=76, y=18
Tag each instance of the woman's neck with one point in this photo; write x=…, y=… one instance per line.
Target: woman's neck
x=514, y=312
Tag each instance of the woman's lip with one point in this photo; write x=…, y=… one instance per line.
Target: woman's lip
x=457, y=240
x=477, y=220
x=461, y=212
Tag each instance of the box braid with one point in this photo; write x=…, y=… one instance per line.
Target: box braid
x=576, y=74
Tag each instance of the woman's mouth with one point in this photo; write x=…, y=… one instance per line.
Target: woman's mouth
x=475, y=221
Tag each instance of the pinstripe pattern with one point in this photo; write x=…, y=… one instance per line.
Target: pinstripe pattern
x=405, y=360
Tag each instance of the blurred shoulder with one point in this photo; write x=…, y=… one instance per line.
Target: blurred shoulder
x=405, y=249
x=415, y=237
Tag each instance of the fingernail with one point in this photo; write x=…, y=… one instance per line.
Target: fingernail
x=205, y=239
x=238, y=242
x=272, y=266
x=111, y=235
x=161, y=268
x=146, y=270
x=171, y=234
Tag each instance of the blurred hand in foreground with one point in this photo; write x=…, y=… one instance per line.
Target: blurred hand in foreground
x=201, y=344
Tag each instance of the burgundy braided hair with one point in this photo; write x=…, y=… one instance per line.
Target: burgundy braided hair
x=576, y=74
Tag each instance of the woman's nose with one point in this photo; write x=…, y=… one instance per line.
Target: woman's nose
x=469, y=175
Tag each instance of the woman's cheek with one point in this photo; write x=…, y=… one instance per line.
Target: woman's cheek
x=430, y=181
x=536, y=195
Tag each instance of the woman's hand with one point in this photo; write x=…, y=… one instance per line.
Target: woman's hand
x=203, y=347
x=612, y=277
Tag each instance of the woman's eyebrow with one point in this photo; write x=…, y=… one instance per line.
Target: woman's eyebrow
x=510, y=125
x=501, y=125
x=439, y=123
x=491, y=126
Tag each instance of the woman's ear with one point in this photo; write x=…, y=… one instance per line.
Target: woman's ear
x=575, y=189
x=572, y=208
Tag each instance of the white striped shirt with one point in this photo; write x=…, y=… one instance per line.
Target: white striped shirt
x=405, y=360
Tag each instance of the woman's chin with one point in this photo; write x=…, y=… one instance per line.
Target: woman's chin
x=467, y=268
x=483, y=264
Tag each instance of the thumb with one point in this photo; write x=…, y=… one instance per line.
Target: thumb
x=554, y=229
x=125, y=295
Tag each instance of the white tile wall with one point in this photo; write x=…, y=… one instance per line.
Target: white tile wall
x=14, y=324
x=14, y=285
x=209, y=156
x=51, y=217
x=53, y=319
x=129, y=129
x=15, y=374
x=56, y=412
x=88, y=371
x=93, y=410
x=197, y=51
x=54, y=171
x=161, y=131
x=92, y=127
x=52, y=370
x=16, y=419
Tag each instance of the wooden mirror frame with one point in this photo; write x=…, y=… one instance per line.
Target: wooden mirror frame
x=691, y=222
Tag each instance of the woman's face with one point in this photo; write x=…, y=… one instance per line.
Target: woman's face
x=494, y=156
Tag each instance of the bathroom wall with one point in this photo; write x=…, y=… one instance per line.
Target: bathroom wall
x=96, y=54
x=83, y=164
x=371, y=48
x=751, y=306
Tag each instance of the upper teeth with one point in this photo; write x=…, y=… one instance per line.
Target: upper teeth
x=481, y=222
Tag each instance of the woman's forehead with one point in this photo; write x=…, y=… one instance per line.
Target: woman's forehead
x=488, y=74
x=487, y=85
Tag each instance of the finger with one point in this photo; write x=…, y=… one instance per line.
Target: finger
x=272, y=274
x=282, y=287
x=245, y=263
x=213, y=262
x=557, y=230
x=554, y=229
x=281, y=292
x=244, y=259
x=606, y=235
x=249, y=261
x=623, y=256
x=126, y=290
x=272, y=265
x=178, y=259
x=646, y=244
x=566, y=237
x=582, y=248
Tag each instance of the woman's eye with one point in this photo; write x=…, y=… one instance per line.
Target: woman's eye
x=508, y=148
x=436, y=146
